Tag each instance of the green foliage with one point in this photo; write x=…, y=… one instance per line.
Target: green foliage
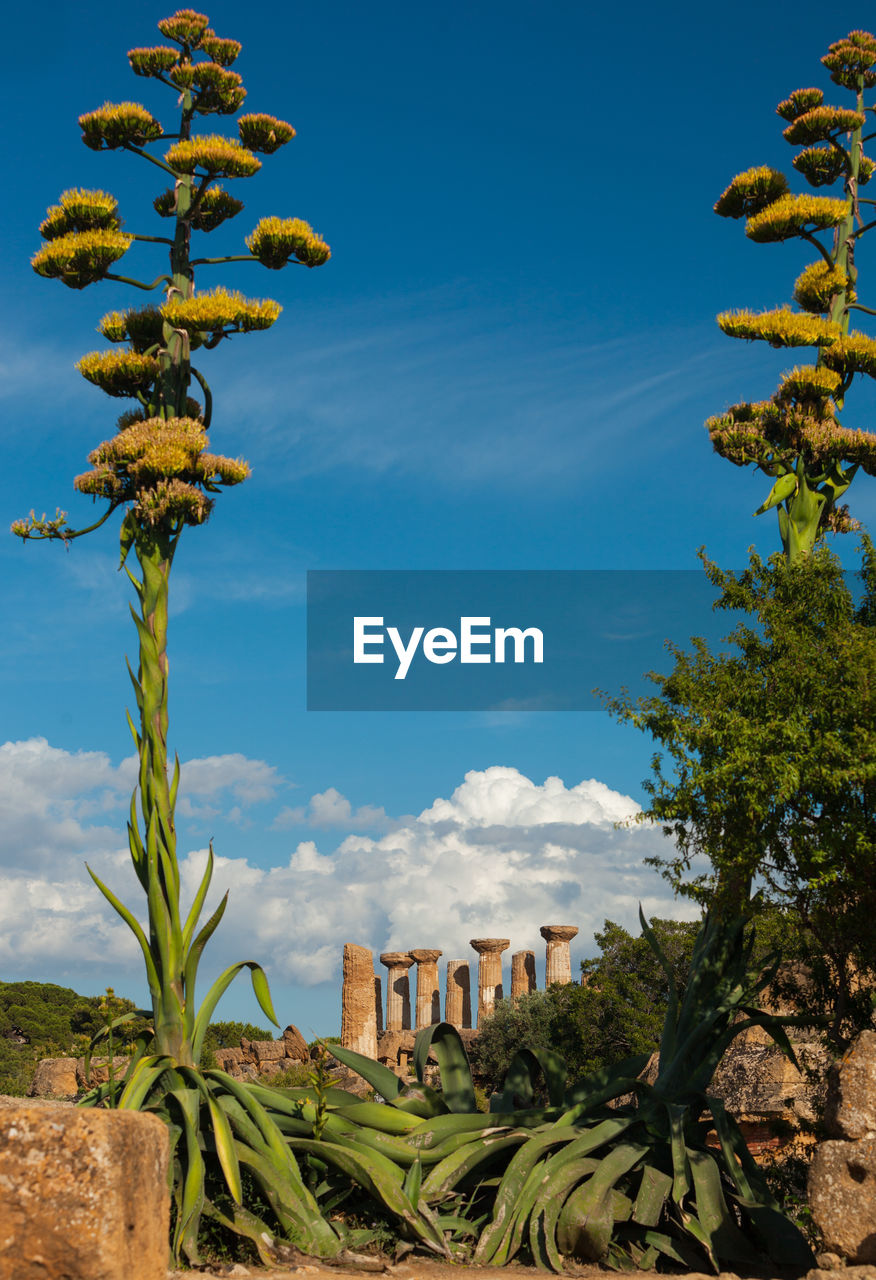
x=158, y=468
x=559, y=1170
x=617, y=1013
x=796, y=438
x=765, y=773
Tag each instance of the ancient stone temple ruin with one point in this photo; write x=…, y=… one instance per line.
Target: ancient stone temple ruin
x=362, y=1014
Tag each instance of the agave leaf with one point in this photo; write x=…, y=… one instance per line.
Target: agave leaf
x=582, y=1224
x=420, y=1100
x=413, y=1182
x=509, y=1192
x=379, y=1115
x=445, y=1175
x=136, y=929
x=602, y=1085
x=370, y=1173
x=654, y=1187
x=298, y=1215
x=218, y=989
x=456, y=1082
x=195, y=951
x=198, y=901
x=386, y=1082
x=191, y=1195
x=726, y=1241
x=244, y=1223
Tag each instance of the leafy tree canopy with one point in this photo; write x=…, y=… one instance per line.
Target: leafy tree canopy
x=765, y=774
x=618, y=1010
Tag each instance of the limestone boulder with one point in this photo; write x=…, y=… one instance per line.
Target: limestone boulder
x=99, y=1071
x=84, y=1194
x=54, y=1078
x=842, y=1197
x=851, y=1097
x=296, y=1045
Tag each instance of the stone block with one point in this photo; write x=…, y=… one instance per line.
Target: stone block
x=54, y=1078
x=84, y=1194
x=842, y=1197
x=851, y=1099
x=267, y=1050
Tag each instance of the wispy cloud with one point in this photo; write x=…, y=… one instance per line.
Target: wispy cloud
x=465, y=393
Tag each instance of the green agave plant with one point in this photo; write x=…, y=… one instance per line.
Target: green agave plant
x=613, y=1170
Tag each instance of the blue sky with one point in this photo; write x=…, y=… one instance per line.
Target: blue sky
x=505, y=365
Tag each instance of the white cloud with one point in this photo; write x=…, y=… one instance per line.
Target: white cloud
x=331, y=809
x=500, y=857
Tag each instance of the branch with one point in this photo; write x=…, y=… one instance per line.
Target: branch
x=859, y=306
x=151, y=239
x=807, y=235
x=138, y=284
x=138, y=151
x=237, y=257
x=43, y=530
x=208, y=395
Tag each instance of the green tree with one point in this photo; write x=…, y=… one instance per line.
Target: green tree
x=796, y=437
x=765, y=774
x=617, y=1011
x=158, y=468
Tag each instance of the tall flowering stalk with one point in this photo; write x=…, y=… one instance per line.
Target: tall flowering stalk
x=158, y=469
x=796, y=437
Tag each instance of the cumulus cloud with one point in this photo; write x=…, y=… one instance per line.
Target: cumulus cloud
x=332, y=809
x=499, y=857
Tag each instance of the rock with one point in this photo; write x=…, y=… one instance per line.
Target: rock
x=229, y=1060
x=84, y=1194
x=851, y=1098
x=296, y=1045
x=267, y=1050
x=99, y=1071
x=54, y=1078
x=842, y=1197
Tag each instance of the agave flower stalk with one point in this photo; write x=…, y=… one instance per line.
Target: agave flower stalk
x=157, y=466
x=796, y=436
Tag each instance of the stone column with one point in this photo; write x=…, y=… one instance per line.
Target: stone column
x=398, y=994
x=522, y=973
x=489, y=972
x=428, y=997
x=558, y=965
x=358, y=1012
x=457, y=999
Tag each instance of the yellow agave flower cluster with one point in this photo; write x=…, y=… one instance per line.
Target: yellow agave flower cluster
x=213, y=208
x=781, y=327
x=264, y=133
x=851, y=58
x=774, y=433
x=791, y=215
x=143, y=327
x=220, y=311
x=214, y=155
x=818, y=283
x=275, y=240
x=119, y=373
x=821, y=123
x=119, y=124
x=80, y=258
x=79, y=210
x=159, y=464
